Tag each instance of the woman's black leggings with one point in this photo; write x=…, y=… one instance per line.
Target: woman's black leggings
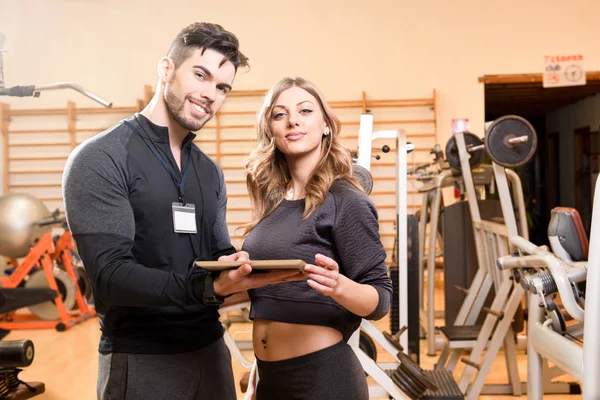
x=333, y=373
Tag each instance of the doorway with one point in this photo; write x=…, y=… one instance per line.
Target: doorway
x=565, y=167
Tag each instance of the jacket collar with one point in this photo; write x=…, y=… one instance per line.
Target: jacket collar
x=157, y=133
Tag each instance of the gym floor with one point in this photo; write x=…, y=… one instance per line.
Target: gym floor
x=67, y=362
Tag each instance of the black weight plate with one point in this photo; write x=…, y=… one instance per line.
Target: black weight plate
x=363, y=176
x=415, y=372
x=559, y=324
x=412, y=382
x=367, y=345
x=502, y=152
x=401, y=380
x=84, y=283
x=471, y=140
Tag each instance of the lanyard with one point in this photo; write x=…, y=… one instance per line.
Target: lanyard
x=180, y=183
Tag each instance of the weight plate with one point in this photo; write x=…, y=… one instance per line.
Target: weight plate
x=413, y=369
x=48, y=310
x=471, y=140
x=84, y=283
x=501, y=151
x=414, y=384
x=559, y=324
x=367, y=345
x=400, y=379
x=363, y=176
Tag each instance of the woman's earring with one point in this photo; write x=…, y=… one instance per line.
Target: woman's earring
x=326, y=133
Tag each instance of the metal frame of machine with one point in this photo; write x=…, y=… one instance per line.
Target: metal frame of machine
x=545, y=274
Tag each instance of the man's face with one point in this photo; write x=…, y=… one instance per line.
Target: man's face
x=197, y=89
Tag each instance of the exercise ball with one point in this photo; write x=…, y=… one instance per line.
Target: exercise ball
x=18, y=212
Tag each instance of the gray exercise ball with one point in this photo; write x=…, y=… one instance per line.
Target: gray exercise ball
x=18, y=212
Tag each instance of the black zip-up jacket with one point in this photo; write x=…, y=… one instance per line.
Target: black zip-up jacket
x=118, y=204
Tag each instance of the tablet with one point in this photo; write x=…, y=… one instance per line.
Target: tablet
x=257, y=265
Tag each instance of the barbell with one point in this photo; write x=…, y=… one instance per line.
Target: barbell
x=510, y=141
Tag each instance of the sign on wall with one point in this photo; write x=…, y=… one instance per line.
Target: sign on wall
x=563, y=70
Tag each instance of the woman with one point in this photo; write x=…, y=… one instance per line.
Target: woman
x=307, y=206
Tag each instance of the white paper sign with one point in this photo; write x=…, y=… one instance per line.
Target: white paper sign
x=564, y=70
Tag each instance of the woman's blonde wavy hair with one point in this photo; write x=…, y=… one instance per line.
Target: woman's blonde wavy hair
x=267, y=171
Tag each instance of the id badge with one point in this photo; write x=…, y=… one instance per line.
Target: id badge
x=184, y=218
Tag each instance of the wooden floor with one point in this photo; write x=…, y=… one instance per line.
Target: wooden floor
x=67, y=361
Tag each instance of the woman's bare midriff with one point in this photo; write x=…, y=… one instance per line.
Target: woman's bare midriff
x=275, y=341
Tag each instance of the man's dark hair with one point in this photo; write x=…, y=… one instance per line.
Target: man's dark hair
x=204, y=35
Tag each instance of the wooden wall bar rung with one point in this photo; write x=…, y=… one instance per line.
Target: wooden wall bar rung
x=382, y=103
x=389, y=192
x=91, y=130
x=219, y=154
x=238, y=126
x=29, y=131
x=36, y=172
x=41, y=144
x=247, y=93
x=47, y=158
x=387, y=207
x=34, y=185
x=393, y=178
x=392, y=164
x=253, y=140
x=38, y=112
x=113, y=110
x=225, y=112
x=63, y=111
x=236, y=222
x=394, y=122
x=400, y=103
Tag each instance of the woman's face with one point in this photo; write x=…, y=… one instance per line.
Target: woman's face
x=297, y=123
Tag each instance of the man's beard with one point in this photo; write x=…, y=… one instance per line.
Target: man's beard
x=175, y=109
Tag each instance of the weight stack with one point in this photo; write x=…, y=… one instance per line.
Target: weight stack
x=395, y=308
x=412, y=297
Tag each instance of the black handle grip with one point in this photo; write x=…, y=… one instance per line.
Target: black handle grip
x=18, y=91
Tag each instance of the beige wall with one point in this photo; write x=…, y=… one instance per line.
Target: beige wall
x=394, y=48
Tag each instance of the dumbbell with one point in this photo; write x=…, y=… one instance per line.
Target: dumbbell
x=510, y=141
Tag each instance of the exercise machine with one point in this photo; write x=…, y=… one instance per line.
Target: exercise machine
x=566, y=273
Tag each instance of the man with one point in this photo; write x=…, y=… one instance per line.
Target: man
x=143, y=202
